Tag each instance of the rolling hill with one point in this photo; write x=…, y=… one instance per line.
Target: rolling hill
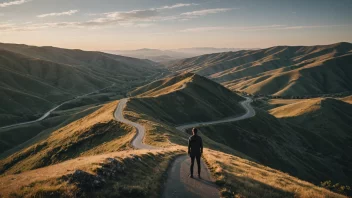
x=281, y=70
x=283, y=144
x=93, y=134
x=328, y=118
x=34, y=79
x=158, y=55
x=92, y=156
x=185, y=98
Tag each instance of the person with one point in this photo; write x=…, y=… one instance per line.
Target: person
x=195, y=150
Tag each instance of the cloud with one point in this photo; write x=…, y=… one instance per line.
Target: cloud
x=130, y=17
x=256, y=28
x=179, y=5
x=10, y=3
x=206, y=12
x=70, y=12
x=204, y=29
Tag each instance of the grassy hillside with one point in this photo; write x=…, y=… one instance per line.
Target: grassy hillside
x=115, y=174
x=285, y=146
x=31, y=75
x=327, y=118
x=185, y=98
x=80, y=159
x=281, y=70
x=29, y=87
x=94, y=134
x=240, y=177
x=16, y=138
x=347, y=99
x=111, y=67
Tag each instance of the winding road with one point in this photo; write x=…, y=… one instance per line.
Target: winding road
x=137, y=141
x=250, y=112
x=178, y=183
x=53, y=109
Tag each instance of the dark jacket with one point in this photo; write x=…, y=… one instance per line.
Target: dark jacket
x=195, y=145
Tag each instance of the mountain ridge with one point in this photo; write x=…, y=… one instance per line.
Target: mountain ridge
x=253, y=70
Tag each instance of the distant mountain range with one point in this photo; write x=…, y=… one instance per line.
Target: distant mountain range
x=280, y=70
x=170, y=55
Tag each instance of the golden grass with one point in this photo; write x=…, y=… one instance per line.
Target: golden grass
x=298, y=108
x=31, y=182
x=94, y=134
x=167, y=86
x=347, y=99
x=239, y=177
x=157, y=133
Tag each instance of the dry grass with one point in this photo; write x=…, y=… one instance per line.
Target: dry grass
x=94, y=134
x=347, y=99
x=297, y=108
x=239, y=177
x=137, y=175
x=158, y=133
x=163, y=86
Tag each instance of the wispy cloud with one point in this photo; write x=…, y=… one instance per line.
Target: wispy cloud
x=206, y=12
x=256, y=28
x=203, y=29
x=11, y=3
x=134, y=18
x=70, y=12
x=179, y=5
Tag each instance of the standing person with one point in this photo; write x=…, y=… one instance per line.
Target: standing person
x=195, y=150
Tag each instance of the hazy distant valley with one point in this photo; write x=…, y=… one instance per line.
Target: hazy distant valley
x=165, y=56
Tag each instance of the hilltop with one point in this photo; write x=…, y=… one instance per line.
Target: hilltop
x=186, y=98
x=280, y=70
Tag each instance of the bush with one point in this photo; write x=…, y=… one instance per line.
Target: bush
x=342, y=189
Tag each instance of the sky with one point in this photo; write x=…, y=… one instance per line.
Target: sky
x=172, y=24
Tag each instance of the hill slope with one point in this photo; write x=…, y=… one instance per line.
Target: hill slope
x=30, y=86
x=93, y=134
x=33, y=79
x=281, y=70
x=185, y=98
x=328, y=118
x=98, y=63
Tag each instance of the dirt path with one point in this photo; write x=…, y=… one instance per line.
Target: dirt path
x=178, y=183
x=137, y=141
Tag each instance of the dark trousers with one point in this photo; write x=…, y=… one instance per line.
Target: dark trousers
x=198, y=163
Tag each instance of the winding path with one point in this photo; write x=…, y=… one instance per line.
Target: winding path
x=178, y=183
x=53, y=109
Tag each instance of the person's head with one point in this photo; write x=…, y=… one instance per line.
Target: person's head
x=194, y=131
